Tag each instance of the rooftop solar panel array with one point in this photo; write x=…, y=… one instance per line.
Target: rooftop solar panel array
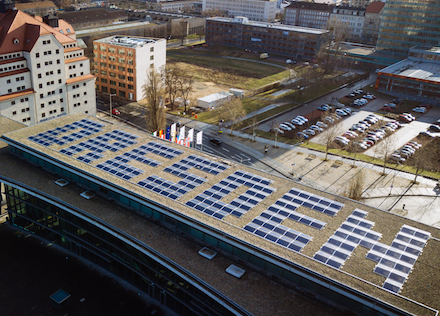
x=120, y=168
x=161, y=150
x=396, y=261
x=314, y=202
x=356, y=230
x=50, y=137
x=209, y=201
x=170, y=189
x=203, y=164
x=268, y=225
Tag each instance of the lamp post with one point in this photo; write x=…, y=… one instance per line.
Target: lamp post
x=111, y=95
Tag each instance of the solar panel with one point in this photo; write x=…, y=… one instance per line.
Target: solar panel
x=239, y=206
x=396, y=261
x=200, y=163
x=50, y=137
x=313, y=201
x=120, y=168
x=354, y=231
x=161, y=150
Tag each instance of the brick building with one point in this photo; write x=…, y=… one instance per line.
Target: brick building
x=122, y=64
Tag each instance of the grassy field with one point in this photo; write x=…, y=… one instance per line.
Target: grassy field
x=241, y=74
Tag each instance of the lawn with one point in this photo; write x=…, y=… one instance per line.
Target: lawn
x=241, y=74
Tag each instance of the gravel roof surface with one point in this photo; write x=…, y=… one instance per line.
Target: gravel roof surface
x=357, y=271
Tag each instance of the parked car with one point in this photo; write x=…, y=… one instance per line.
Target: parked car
x=290, y=125
x=116, y=112
x=434, y=128
x=302, y=118
x=341, y=112
x=419, y=109
x=415, y=144
x=275, y=130
x=316, y=128
x=405, y=118
x=391, y=105
x=396, y=158
x=215, y=141
x=368, y=96
x=325, y=107
x=426, y=134
x=348, y=110
x=297, y=122
x=329, y=119
x=409, y=115
x=285, y=128
x=302, y=135
x=387, y=109
x=362, y=145
x=309, y=132
x=321, y=124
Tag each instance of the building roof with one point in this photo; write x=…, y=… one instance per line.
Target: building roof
x=375, y=7
x=310, y=6
x=244, y=20
x=363, y=248
x=19, y=32
x=415, y=69
x=35, y=5
x=65, y=28
x=95, y=15
x=80, y=78
x=16, y=94
x=128, y=41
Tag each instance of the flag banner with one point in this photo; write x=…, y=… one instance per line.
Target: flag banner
x=162, y=136
x=182, y=133
x=168, y=134
x=187, y=142
x=199, y=138
x=173, y=132
x=191, y=134
x=155, y=134
x=161, y=133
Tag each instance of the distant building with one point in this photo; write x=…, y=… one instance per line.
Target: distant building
x=122, y=64
x=171, y=6
x=407, y=23
x=346, y=23
x=212, y=101
x=37, y=8
x=256, y=10
x=361, y=3
x=373, y=16
x=43, y=72
x=93, y=17
x=285, y=40
x=415, y=78
x=307, y=14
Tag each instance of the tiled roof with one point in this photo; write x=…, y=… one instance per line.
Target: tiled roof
x=81, y=78
x=14, y=72
x=16, y=94
x=19, y=32
x=375, y=7
x=72, y=60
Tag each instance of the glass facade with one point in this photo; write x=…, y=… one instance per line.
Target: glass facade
x=407, y=23
x=110, y=251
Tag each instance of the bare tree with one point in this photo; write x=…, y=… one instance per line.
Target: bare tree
x=254, y=126
x=154, y=93
x=422, y=159
x=171, y=79
x=233, y=111
x=185, y=87
x=355, y=186
x=385, y=148
x=275, y=127
x=329, y=135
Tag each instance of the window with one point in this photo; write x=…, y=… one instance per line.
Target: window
x=62, y=110
x=151, y=66
x=103, y=48
x=42, y=105
x=112, y=91
x=151, y=49
x=103, y=56
x=113, y=82
x=130, y=70
x=47, y=63
x=122, y=94
x=152, y=57
x=41, y=95
x=112, y=74
x=61, y=100
x=122, y=77
x=104, y=89
x=120, y=68
x=43, y=114
x=9, y=90
x=111, y=58
x=37, y=55
x=121, y=51
x=122, y=85
x=8, y=81
x=39, y=76
x=60, y=81
x=40, y=86
x=111, y=50
x=129, y=53
x=57, y=51
x=121, y=60
x=14, y=112
x=61, y=91
x=130, y=78
x=103, y=80
x=58, y=62
x=130, y=61
x=130, y=86
x=13, y=102
x=103, y=72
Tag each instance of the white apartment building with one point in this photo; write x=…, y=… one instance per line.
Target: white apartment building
x=122, y=63
x=43, y=73
x=256, y=10
x=347, y=23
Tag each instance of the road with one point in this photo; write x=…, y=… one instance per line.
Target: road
x=135, y=115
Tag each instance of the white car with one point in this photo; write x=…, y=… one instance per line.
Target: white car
x=412, y=117
x=290, y=125
x=368, y=96
x=302, y=118
x=284, y=128
x=297, y=122
x=419, y=109
x=329, y=119
x=390, y=105
x=316, y=128
x=309, y=131
x=341, y=112
x=321, y=124
x=396, y=158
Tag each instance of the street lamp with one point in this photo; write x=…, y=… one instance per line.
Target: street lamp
x=111, y=95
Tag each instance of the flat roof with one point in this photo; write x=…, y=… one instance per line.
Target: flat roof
x=215, y=97
x=278, y=26
x=128, y=41
x=415, y=69
x=383, y=255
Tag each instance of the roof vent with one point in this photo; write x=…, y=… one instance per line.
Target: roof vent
x=16, y=41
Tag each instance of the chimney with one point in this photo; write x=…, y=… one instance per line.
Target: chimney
x=51, y=20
